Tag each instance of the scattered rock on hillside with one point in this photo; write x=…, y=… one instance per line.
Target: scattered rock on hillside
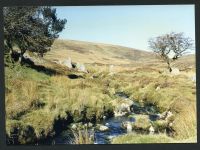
x=74, y=127
x=128, y=126
x=158, y=88
x=123, y=107
x=111, y=69
x=165, y=115
x=175, y=71
x=119, y=113
x=68, y=62
x=35, y=59
x=81, y=67
x=193, y=78
x=26, y=55
x=151, y=130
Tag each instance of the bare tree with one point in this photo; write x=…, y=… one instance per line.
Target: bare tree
x=171, y=46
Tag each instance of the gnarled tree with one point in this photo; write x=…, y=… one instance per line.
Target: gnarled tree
x=31, y=28
x=171, y=46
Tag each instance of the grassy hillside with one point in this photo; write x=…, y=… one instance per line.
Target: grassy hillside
x=106, y=54
x=86, y=52
x=40, y=102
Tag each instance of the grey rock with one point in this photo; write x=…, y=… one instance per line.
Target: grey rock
x=129, y=127
x=81, y=67
x=193, y=78
x=68, y=63
x=103, y=128
x=175, y=71
x=74, y=127
x=151, y=130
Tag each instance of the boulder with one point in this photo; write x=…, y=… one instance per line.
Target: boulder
x=111, y=137
x=124, y=106
x=157, y=88
x=167, y=115
x=129, y=127
x=74, y=126
x=111, y=70
x=151, y=130
x=81, y=67
x=60, y=62
x=68, y=63
x=119, y=113
x=26, y=55
x=125, y=124
x=175, y=71
x=90, y=125
x=107, y=124
x=193, y=78
x=103, y=128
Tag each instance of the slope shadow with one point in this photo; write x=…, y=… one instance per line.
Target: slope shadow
x=29, y=63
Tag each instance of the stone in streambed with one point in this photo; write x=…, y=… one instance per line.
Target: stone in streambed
x=102, y=128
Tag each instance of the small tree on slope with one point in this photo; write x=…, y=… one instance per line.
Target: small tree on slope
x=170, y=46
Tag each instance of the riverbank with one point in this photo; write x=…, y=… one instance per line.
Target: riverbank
x=40, y=105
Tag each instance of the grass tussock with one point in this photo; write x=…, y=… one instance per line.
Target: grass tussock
x=82, y=137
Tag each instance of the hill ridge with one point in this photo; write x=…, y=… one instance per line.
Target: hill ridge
x=89, y=52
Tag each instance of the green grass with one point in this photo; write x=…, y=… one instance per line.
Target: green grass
x=138, y=138
x=133, y=138
x=35, y=100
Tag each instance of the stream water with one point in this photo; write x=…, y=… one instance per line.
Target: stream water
x=114, y=124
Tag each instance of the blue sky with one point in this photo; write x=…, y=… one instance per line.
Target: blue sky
x=129, y=26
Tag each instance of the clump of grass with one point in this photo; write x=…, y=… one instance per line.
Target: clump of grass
x=160, y=125
x=138, y=138
x=142, y=122
x=41, y=120
x=185, y=123
x=82, y=100
x=18, y=129
x=21, y=98
x=82, y=137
